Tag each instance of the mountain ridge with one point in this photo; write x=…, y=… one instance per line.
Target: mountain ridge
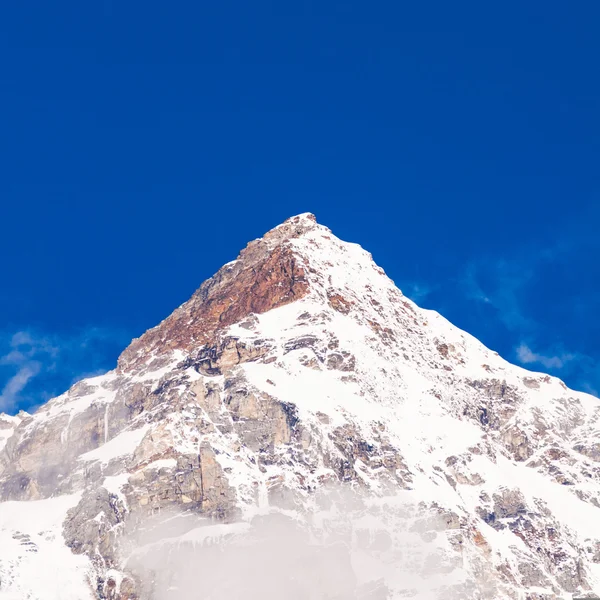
x=300, y=368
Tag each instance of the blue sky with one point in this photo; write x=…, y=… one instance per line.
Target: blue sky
x=144, y=144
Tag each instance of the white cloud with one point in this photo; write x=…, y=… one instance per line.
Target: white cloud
x=590, y=389
x=505, y=285
x=67, y=358
x=417, y=291
x=472, y=286
x=16, y=384
x=23, y=355
x=527, y=356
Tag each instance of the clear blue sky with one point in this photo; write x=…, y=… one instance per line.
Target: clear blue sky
x=144, y=143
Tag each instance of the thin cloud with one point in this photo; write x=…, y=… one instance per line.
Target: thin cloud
x=500, y=284
x=581, y=369
x=417, y=291
x=513, y=287
x=38, y=366
x=15, y=385
x=24, y=355
x=527, y=356
x=590, y=389
x=472, y=287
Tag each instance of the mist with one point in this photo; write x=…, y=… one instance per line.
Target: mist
x=354, y=549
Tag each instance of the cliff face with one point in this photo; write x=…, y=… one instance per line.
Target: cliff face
x=300, y=384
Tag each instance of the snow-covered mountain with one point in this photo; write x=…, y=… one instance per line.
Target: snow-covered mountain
x=300, y=429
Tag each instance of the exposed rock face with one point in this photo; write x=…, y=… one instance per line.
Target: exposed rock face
x=265, y=275
x=295, y=374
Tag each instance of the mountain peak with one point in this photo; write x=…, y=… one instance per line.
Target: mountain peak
x=293, y=227
x=296, y=257
x=265, y=275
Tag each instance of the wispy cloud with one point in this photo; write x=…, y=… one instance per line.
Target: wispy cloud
x=417, y=291
x=527, y=356
x=500, y=283
x=590, y=388
x=35, y=366
x=16, y=384
x=580, y=368
x=472, y=286
x=26, y=356
x=536, y=303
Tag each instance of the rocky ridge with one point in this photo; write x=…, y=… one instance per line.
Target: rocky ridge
x=297, y=372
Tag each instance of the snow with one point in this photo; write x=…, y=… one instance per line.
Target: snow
x=156, y=375
x=106, y=424
x=8, y=425
x=164, y=463
x=114, y=484
x=203, y=535
x=123, y=444
x=580, y=516
x=75, y=404
x=35, y=563
x=4, y=435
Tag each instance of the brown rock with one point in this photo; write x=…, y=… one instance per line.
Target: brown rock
x=265, y=275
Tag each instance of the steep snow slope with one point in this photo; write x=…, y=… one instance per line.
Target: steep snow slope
x=34, y=561
x=8, y=424
x=300, y=382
